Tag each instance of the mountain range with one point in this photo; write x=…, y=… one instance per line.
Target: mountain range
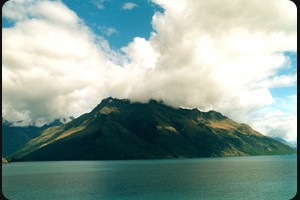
x=120, y=129
x=14, y=136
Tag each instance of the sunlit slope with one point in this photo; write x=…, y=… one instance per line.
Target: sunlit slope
x=14, y=137
x=118, y=129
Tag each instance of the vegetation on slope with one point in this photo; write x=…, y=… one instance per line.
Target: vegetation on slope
x=119, y=129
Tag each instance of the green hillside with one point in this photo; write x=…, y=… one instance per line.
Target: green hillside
x=13, y=137
x=119, y=129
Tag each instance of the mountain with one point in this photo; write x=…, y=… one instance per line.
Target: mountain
x=119, y=129
x=13, y=137
x=291, y=144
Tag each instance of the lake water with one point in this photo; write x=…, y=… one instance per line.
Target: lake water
x=255, y=177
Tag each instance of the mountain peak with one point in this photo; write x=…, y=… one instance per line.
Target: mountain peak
x=215, y=115
x=120, y=129
x=113, y=101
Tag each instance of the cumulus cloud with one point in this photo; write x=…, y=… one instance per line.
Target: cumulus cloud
x=129, y=6
x=221, y=55
x=210, y=59
x=51, y=67
x=279, y=119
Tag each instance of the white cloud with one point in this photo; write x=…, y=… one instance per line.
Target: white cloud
x=210, y=59
x=107, y=31
x=129, y=6
x=99, y=4
x=277, y=124
x=216, y=55
x=278, y=119
x=55, y=11
x=141, y=54
x=221, y=55
x=51, y=68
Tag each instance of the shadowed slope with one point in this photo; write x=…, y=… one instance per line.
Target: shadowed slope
x=118, y=129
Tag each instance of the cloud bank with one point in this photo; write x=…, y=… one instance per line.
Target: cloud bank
x=221, y=55
x=52, y=64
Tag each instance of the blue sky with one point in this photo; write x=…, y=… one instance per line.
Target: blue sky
x=127, y=23
x=100, y=15
x=290, y=69
x=187, y=53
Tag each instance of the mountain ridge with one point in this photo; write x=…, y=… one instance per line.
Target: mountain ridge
x=14, y=136
x=120, y=129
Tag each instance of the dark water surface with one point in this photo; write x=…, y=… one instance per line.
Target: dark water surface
x=257, y=177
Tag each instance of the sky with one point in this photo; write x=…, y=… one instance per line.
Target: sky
x=61, y=58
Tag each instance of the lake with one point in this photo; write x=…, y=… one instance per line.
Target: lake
x=253, y=177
